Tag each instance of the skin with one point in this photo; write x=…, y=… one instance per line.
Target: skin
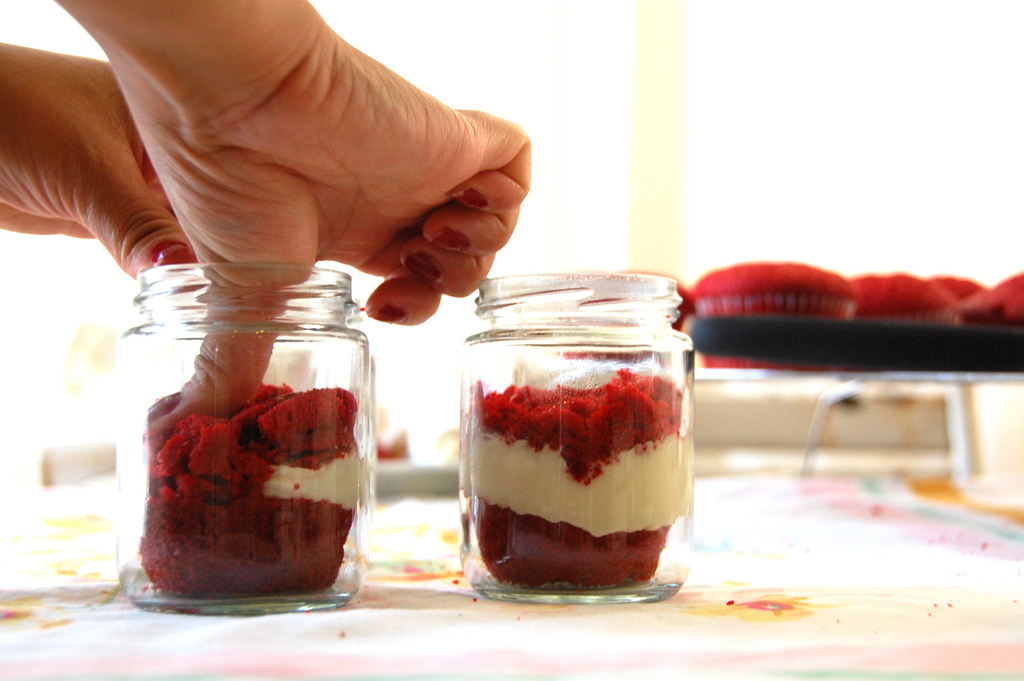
x=72, y=162
x=249, y=131
x=275, y=140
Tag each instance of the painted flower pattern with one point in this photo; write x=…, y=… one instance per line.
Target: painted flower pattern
x=766, y=608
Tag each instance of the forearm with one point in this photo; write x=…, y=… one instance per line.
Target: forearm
x=189, y=49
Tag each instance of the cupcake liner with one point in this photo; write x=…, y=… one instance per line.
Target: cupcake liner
x=943, y=316
x=776, y=303
x=768, y=303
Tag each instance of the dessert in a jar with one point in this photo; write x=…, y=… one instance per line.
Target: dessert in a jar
x=245, y=459
x=576, y=458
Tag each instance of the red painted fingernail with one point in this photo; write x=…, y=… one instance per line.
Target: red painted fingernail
x=172, y=253
x=392, y=314
x=452, y=240
x=472, y=198
x=423, y=266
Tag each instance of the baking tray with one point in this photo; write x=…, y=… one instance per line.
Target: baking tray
x=867, y=345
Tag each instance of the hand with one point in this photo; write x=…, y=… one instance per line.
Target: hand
x=277, y=141
x=71, y=161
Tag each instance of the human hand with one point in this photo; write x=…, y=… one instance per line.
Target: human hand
x=71, y=161
x=277, y=141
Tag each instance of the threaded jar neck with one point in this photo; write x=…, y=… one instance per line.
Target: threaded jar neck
x=246, y=293
x=594, y=299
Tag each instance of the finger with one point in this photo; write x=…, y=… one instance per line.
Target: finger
x=445, y=271
x=403, y=300
x=15, y=220
x=133, y=219
x=229, y=367
x=228, y=371
x=467, y=230
x=147, y=239
x=140, y=232
x=494, y=191
x=507, y=150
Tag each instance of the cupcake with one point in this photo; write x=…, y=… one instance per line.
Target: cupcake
x=774, y=288
x=768, y=288
x=961, y=287
x=686, y=308
x=905, y=297
x=1001, y=305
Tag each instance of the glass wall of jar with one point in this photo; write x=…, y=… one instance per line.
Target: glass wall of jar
x=576, y=467
x=246, y=450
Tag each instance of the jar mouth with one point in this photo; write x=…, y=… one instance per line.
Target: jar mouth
x=244, y=274
x=211, y=290
x=578, y=293
x=588, y=290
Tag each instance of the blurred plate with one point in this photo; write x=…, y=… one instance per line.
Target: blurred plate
x=870, y=345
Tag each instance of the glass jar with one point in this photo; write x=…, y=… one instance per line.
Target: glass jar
x=246, y=451
x=576, y=465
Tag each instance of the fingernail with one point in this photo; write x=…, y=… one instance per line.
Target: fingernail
x=452, y=240
x=472, y=198
x=423, y=266
x=391, y=314
x=172, y=253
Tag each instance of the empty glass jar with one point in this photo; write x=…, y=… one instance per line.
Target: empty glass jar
x=576, y=473
x=246, y=450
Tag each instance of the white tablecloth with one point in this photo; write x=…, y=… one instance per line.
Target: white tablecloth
x=817, y=578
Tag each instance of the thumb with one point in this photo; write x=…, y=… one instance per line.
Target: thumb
x=137, y=227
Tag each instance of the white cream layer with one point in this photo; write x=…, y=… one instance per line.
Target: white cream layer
x=646, y=488
x=336, y=482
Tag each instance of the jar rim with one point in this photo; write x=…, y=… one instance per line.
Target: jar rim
x=240, y=272
x=252, y=291
x=576, y=285
x=592, y=294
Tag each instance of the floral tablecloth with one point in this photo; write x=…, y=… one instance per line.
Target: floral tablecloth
x=804, y=578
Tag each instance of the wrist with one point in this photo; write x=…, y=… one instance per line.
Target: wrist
x=197, y=49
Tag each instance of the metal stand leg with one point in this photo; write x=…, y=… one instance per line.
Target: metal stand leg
x=826, y=400
x=959, y=426
x=960, y=431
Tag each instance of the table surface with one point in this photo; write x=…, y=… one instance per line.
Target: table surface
x=804, y=578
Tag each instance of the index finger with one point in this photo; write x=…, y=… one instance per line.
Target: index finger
x=484, y=209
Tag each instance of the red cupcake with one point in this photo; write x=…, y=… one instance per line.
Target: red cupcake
x=774, y=288
x=686, y=308
x=906, y=297
x=961, y=287
x=1001, y=305
x=771, y=288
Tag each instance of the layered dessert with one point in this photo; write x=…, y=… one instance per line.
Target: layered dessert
x=258, y=503
x=577, y=486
